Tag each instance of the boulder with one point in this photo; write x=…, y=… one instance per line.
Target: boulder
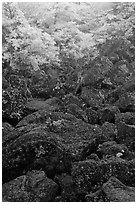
x=128, y=118
x=39, y=104
x=77, y=112
x=37, y=149
x=123, y=94
x=112, y=191
x=129, y=86
x=12, y=105
x=45, y=117
x=33, y=187
x=107, y=114
x=92, y=116
x=126, y=102
x=111, y=148
x=15, y=133
x=90, y=175
x=41, y=187
x=109, y=131
x=5, y=83
x=97, y=138
x=42, y=85
x=98, y=196
x=93, y=156
x=6, y=129
x=126, y=135
x=65, y=182
x=75, y=133
x=93, y=97
x=104, y=133
x=71, y=99
x=116, y=191
x=13, y=191
x=91, y=148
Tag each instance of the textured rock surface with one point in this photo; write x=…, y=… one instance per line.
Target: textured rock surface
x=128, y=118
x=66, y=184
x=92, y=116
x=116, y=191
x=126, y=103
x=112, y=191
x=74, y=133
x=108, y=149
x=36, y=149
x=33, y=187
x=89, y=175
x=77, y=112
x=126, y=135
x=93, y=97
x=6, y=129
x=49, y=104
x=107, y=114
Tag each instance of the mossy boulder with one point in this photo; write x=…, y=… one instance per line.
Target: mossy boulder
x=37, y=149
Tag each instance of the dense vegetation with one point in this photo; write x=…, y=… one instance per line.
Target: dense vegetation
x=75, y=58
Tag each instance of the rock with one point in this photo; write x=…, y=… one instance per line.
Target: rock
x=14, y=80
x=92, y=116
x=113, y=57
x=74, y=133
x=111, y=148
x=97, y=138
x=12, y=105
x=107, y=114
x=93, y=156
x=120, y=72
x=39, y=104
x=5, y=83
x=126, y=102
x=71, y=99
x=6, y=129
x=15, y=133
x=89, y=175
x=124, y=93
x=129, y=86
x=112, y=96
x=116, y=191
x=13, y=191
x=98, y=196
x=112, y=191
x=41, y=187
x=42, y=85
x=91, y=148
x=109, y=131
x=77, y=112
x=126, y=135
x=33, y=187
x=93, y=97
x=107, y=85
x=65, y=182
x=128, y=118
x=45, y=117
x=37, y=149
x=104, y=133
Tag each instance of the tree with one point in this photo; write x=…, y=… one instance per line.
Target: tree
x=24, y=46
